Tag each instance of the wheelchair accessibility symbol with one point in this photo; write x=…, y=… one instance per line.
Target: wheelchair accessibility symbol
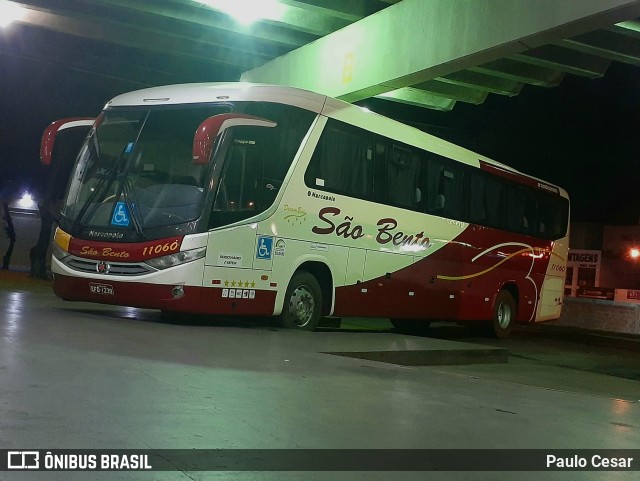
x=120, y=215
x=265, y=245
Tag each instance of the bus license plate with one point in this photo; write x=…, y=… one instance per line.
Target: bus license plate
x=104, y=289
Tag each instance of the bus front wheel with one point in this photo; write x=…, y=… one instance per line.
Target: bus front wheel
x=504, y=314
x=302, y=303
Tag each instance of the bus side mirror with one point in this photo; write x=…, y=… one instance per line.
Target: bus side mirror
x=211, y=128
x=50, y=133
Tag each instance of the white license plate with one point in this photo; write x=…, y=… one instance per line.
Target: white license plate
x=104, y=289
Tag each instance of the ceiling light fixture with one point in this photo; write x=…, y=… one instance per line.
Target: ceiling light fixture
x=247, y=12
x=10, y=12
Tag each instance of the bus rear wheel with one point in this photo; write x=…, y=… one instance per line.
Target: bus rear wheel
x=504, y=313
x=302, y=303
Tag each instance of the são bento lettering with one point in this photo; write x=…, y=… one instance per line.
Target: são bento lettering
x=387, y=229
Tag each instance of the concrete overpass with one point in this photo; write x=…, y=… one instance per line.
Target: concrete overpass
x=431, y=53
x=434, y=53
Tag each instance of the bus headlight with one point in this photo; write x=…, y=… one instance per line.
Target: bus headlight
x=58, y=252
x=178, y=258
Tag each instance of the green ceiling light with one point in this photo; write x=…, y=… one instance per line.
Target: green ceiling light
x=247, y=12
x=10, y=12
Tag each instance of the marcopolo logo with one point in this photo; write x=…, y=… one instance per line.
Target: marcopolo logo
x=23, y=460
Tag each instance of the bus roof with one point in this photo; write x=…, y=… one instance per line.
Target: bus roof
x=195, y=93
x=220, y=92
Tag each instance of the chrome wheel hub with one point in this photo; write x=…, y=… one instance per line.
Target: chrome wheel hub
x=504, y=315
x=301, y=306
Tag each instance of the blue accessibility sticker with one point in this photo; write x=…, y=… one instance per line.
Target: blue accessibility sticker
x=265, y=246
x=120, y=215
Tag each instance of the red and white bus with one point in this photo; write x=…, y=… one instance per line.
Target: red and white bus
x=239, y=199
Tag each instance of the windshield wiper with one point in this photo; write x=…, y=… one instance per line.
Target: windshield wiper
x=129, y=199
x=105, y=181
x=126, y=183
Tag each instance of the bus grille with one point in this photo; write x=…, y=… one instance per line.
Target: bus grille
x=115, y=268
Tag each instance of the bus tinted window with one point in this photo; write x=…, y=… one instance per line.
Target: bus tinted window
x=357, y=163
x=494, y=200
x=292, y=125
x=343, y=161
x=516, y=220
x=553, y=215
x=257, y=160
x=497, y=202
x=477, y=209
x=399, y=175
x=445, y=188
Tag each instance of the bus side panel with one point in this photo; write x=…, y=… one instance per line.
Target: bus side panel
x=232, y=248
x=237, y=274
x=416, y=265
x=551, y=299
x=355, y=266
x=552, y=294
x=491, y=260
x=386, y=296
x=456, y=274
x=237, y=291
x=293, y=254
x=458, y=281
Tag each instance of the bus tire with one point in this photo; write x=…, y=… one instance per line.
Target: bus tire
x=302, y=303
x=410, y=326
x=504, y=313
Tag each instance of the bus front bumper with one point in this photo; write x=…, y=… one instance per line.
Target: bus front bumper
x=165, y=297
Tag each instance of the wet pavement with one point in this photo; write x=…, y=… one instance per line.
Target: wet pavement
x=77, y=375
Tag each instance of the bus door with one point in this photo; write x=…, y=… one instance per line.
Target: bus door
x=239, y=259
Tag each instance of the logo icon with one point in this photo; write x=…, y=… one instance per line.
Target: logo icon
x=23, y=460
x=120, y=215
x=280, y=248
x=102, y=267
x=265, y=245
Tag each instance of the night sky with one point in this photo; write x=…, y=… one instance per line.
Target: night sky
x=581, y=135
x=32, y=95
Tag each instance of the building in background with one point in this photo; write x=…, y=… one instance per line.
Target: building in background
x=604, y=262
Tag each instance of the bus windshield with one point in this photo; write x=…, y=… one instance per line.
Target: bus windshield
x=135, y=171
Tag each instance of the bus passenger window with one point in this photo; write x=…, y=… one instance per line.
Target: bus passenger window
x=343, y=161
x=516, y=220
x=445, y=188
x=477, y=209
x=494, y=202
x=238, y=190
x=398, y=176
x=403, y=175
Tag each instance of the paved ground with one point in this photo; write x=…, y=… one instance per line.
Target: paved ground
x=76, y=375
